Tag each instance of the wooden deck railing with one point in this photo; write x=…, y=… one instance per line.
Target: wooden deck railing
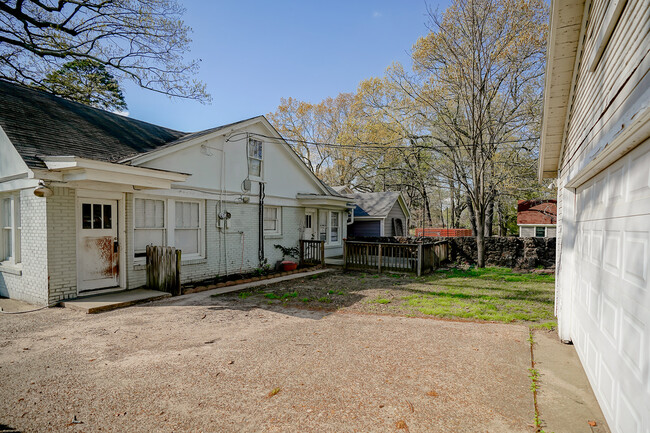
x=418, y=258
x=312, y=252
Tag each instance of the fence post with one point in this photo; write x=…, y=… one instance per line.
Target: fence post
x=345, y=254
x=322, y=253
x=178, y=272
x=419, y=269
x=302, y=252
x=379, y=259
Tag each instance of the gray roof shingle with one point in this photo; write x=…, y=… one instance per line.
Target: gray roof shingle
x=374, y=204
x=40, y=124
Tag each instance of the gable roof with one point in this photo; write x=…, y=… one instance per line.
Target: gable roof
x=374, y=204
x=537, y=211
x=41, y=124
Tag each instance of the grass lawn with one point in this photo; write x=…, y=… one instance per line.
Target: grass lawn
x=492, y=294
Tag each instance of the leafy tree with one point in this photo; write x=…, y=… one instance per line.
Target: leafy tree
x=139, y=40
x=88, y=82
x=480, y=73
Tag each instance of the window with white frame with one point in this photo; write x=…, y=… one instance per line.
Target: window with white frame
x=175, y=223
x=272, y=220
x=335, y=227
x=11, y=225
x=149, y=225
x=187, y=230
x=255, y=158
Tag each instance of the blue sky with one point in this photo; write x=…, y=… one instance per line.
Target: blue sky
x=255, y=52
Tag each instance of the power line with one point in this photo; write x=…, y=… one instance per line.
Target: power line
x=379, y=146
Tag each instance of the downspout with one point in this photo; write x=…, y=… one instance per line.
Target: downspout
x=260, y=250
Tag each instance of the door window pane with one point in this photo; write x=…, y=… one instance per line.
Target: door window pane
x=97, y=216
x=86, y=216
x=108, y=216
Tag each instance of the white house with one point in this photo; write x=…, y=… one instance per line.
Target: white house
x=595, y=140
x=83, y=191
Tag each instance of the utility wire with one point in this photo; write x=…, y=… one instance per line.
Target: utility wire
x=378, y=146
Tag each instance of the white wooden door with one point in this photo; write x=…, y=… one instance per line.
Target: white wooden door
x=310, y=225
x=98, y=250
x=611, y=294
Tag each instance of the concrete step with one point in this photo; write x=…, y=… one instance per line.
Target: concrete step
x=111, y=301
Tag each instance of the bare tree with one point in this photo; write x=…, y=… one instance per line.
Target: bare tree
x=480, y=72
x=140, y=40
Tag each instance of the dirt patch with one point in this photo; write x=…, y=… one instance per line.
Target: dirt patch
x=198, y=363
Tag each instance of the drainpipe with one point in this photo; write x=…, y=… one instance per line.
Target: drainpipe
x=260, y=250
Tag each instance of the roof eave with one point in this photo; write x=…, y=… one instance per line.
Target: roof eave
x=566, y=26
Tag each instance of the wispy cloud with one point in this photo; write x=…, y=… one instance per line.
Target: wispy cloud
x=376, y=14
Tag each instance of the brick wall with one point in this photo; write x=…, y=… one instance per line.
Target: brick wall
x=223, y=249
x=28, y=281
x=62, y=244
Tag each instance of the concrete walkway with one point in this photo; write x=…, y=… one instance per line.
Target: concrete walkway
x=565, y=399
x=111, y=301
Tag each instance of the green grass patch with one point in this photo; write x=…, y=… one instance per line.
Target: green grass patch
x=381, y=301
x=336, y=292
x=244, y=295
x=494, y=294
x=325, y=300
x=495, y=274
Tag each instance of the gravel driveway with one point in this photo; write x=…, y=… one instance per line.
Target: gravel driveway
x=197, y=363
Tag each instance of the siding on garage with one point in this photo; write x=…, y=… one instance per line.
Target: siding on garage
x=396, y=212
x=603, y=244
x=608, y=97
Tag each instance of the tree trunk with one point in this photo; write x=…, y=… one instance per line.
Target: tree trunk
x=502, y=223
x=480, y=242
x=452, y=222
x=472, y=215
x=489, y=219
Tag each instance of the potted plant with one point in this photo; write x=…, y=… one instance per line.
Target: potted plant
x=287, y=265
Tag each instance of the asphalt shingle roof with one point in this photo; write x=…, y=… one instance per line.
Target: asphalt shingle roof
x=40, y=124
x=374, y=204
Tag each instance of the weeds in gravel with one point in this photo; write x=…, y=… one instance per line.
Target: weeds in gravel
x=381, y=301
x=325, y=299
x=274, y=391
x=244, y=295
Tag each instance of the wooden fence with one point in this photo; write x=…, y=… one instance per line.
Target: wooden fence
x=164, y=269
x=419, y=258
x=439, y=232
x=312, y=252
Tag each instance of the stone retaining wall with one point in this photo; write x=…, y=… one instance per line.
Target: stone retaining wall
x=510, y=252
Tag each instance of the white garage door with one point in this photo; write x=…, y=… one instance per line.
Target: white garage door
x=611, y=295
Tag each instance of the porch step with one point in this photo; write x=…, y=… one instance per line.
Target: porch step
x=110, y=301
